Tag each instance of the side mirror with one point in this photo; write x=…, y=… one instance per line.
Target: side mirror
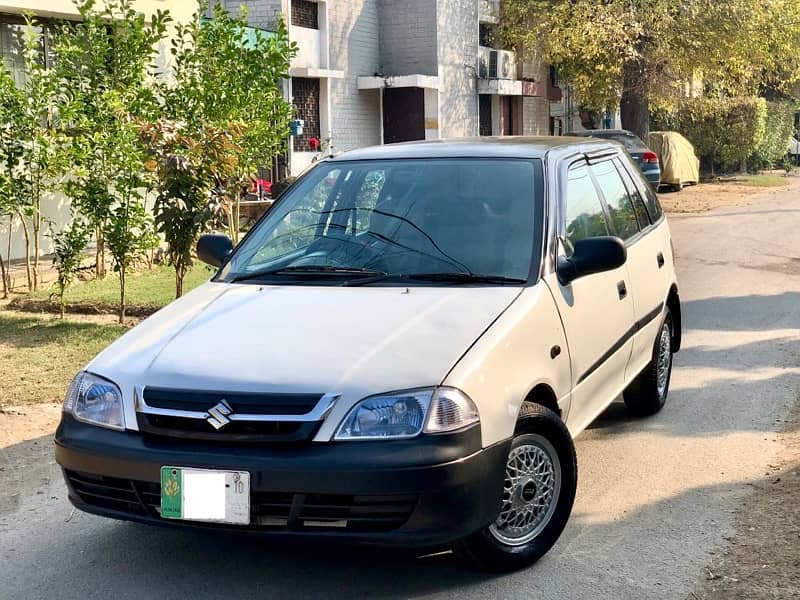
x=592, y=255
x=214, y=249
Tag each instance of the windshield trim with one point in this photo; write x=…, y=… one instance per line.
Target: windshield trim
x=538, y=198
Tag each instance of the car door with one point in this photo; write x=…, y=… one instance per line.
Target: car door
x=596, y=310
x=649, y=264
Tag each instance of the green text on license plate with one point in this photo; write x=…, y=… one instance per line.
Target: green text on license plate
x=205, y=495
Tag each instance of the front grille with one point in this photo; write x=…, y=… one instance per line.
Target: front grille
x=241, y=402
x=278, y=418
x=235, y=431
x=269, y=511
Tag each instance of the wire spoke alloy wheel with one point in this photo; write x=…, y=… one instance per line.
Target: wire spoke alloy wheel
x=530, y=492
x=663, y=359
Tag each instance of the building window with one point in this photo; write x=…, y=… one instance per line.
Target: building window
x=13, y=30
x=486, y=35
x=305, y=97
x=305, y=14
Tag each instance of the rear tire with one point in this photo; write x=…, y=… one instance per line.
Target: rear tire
x=647, y=393
x=539, y=490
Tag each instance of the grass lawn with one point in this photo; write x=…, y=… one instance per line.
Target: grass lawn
x=146, y=291
x=149, y=286
x=761, y=180
x=40, y=356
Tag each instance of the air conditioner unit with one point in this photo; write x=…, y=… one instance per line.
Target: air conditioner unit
x=496, y=64
x=506, y=65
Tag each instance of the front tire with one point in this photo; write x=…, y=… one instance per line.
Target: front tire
x=539, y=491
x=647, y=393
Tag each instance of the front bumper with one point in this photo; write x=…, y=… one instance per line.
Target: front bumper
x=424, y=492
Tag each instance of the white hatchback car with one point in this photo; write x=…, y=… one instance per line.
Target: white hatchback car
x=399, y=352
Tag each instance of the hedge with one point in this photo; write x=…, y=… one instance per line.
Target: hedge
x=779, y=127
x=725, y=132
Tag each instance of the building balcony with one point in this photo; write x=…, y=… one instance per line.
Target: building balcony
x=309, y=48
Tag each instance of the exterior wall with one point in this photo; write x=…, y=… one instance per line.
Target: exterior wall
x=179, y=9
x=408, y=37
x=260, y=13
x=457, y=22
x=354, y=34
x=536, y=109
x=535, y=116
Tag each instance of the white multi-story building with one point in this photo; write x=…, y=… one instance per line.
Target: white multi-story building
x=383, y=71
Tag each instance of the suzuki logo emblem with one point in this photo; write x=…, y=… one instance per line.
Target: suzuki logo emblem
x=218, y=415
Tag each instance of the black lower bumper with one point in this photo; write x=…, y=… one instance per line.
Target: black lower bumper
x=422, y=492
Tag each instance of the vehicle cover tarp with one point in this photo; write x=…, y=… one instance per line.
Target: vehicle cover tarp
x=679, y=165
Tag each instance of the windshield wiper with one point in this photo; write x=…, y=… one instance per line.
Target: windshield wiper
x=455, y=277
x=461, y=277
x=309, y=270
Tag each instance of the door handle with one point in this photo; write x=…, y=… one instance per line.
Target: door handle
x=660, y=259
x=622, y=290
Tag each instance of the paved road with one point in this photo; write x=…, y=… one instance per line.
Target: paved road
x=655, y=496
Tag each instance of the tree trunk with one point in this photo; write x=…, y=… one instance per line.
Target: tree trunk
x=3, y=276
x=61, y=304
x=37, y=227
x=180, y=272
x=8, y=253
x=121, y=296
x=634, y=106
x=27, y=252
x=100, y=254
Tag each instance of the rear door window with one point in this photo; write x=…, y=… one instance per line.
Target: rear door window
x=623, y=217
x=636, y=197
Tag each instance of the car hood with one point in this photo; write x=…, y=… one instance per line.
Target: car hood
x=353, y=341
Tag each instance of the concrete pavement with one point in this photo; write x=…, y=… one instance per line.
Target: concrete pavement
x=655, y=497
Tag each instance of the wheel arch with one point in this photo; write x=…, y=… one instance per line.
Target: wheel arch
x=540, y=395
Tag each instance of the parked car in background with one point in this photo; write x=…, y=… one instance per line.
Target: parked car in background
x=641, y=153
x=355, y=370
x=679, y=164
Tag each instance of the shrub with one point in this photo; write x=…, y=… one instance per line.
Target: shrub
x=779, y=127
x=725, y=132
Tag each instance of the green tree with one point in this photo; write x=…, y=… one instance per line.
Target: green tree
x=224, y=116
x=106, y=64
x=13, y=183
x=30, y=140
x=69, y=244
x=640, y=51
x=187, y=169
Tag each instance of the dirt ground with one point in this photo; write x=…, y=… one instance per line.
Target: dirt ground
x=20, y=424
x=707, y=196
x=763, y=559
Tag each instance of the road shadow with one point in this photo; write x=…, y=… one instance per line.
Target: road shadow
x=743, y=313
x=73, y=555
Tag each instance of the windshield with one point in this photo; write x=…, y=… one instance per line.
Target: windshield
x=393, y=219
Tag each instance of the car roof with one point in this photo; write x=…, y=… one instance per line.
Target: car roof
x=478, y=147
x=598, y=132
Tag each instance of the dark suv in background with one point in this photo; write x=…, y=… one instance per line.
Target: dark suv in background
x=644, y=157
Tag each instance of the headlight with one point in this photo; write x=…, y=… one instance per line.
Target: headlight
x=406, y=414
x=95, y=400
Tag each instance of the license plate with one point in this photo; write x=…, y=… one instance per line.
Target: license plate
x=205, y=495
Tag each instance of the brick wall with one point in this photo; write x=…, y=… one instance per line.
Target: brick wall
x=408, y=37
x=355, y=49
x=458, y=55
